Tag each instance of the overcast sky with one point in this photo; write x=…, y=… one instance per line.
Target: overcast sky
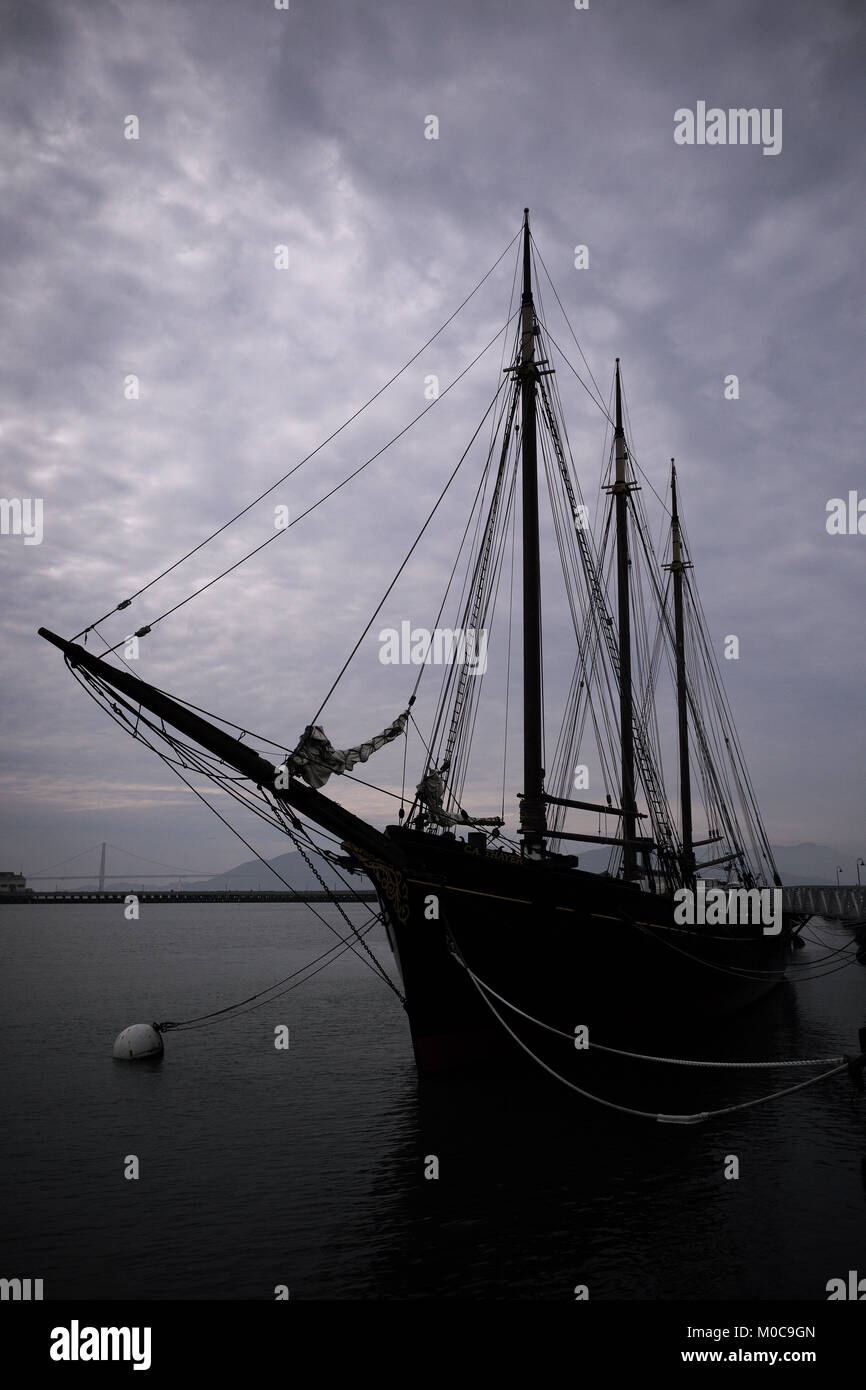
x=306, y=128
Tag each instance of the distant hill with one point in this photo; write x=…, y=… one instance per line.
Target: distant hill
x=810, y=863
x=292, y=867
x=250, y=876
x=805, y=863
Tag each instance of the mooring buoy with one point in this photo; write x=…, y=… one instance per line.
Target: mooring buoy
x=137, y=1042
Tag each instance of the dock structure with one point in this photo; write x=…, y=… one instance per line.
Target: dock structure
x=181, y=897
x=844, y=902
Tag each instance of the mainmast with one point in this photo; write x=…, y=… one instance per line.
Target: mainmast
x=621, y=489
x=677, y=567
x=533, y=823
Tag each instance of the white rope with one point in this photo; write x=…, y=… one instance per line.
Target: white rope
x=699, y=1117
x=644, y=1057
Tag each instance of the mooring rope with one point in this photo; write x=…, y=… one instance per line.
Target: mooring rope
x=237, y=1010
x=645, y=1057
x=698, y=1117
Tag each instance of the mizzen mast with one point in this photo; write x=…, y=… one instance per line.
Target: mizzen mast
x=621, y=489
x=677, y=568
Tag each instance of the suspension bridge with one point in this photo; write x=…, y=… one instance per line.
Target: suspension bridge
x=840, y=902
x=135, y=883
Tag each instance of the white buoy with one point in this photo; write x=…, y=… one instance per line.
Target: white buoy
x=136, y=1042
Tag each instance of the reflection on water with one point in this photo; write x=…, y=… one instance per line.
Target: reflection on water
x=307, y=1167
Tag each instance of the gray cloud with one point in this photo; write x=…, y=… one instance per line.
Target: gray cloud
x=305, y=127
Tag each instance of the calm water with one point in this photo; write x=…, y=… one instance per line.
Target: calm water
x=306, y=1168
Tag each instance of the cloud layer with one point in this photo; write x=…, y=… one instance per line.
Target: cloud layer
x=305, y=128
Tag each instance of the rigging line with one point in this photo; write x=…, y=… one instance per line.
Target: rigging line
x=296, y=836
x=570, y=329
x=697, y=1118
x=850, y=947
x=482, y=573
x=821, y=974
x=645, y=1057
x=373, y=964
x=576, y=373
x=739, y=972
x=479, y=590
x=335, y=952
x=217, y=1013
x=723, y=704
x=813, y=927
x=716, y=774
x=308, y=831
x=188, y=704
x=328, y=495
x=318, y=448
x=487, y=611
x=716, y=694
x=190, y=762
x=345, y=916
x=449, y=673
x=632, y=455
x=276, y=818
x=121, y=720
x=477, y=504
x=589, y=650
x=243, y=730
x=409, y=554
x=606, y=461
x=374, y=786
x=517, y=262
x=403, y=779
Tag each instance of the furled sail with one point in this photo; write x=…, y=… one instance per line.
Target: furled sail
x=315, y=757
x=430, y=792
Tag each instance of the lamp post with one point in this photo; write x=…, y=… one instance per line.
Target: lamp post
x=838, y=872
x=859, y=862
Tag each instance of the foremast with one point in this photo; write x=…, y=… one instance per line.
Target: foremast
x=533, y=822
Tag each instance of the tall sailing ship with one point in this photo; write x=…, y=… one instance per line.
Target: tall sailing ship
x=500, y=935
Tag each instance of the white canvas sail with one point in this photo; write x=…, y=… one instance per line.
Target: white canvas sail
x=315, y=759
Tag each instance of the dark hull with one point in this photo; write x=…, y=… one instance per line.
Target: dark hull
x=564, y=946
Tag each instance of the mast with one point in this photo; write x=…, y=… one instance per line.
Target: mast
x=621, y=489
x=532, y=815
x=677, y=567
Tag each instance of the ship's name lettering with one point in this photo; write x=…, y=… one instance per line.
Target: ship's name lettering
x=498, y=854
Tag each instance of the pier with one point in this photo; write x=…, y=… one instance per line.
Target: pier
x=14, y=887
x=182, y=897
x=845, y=902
